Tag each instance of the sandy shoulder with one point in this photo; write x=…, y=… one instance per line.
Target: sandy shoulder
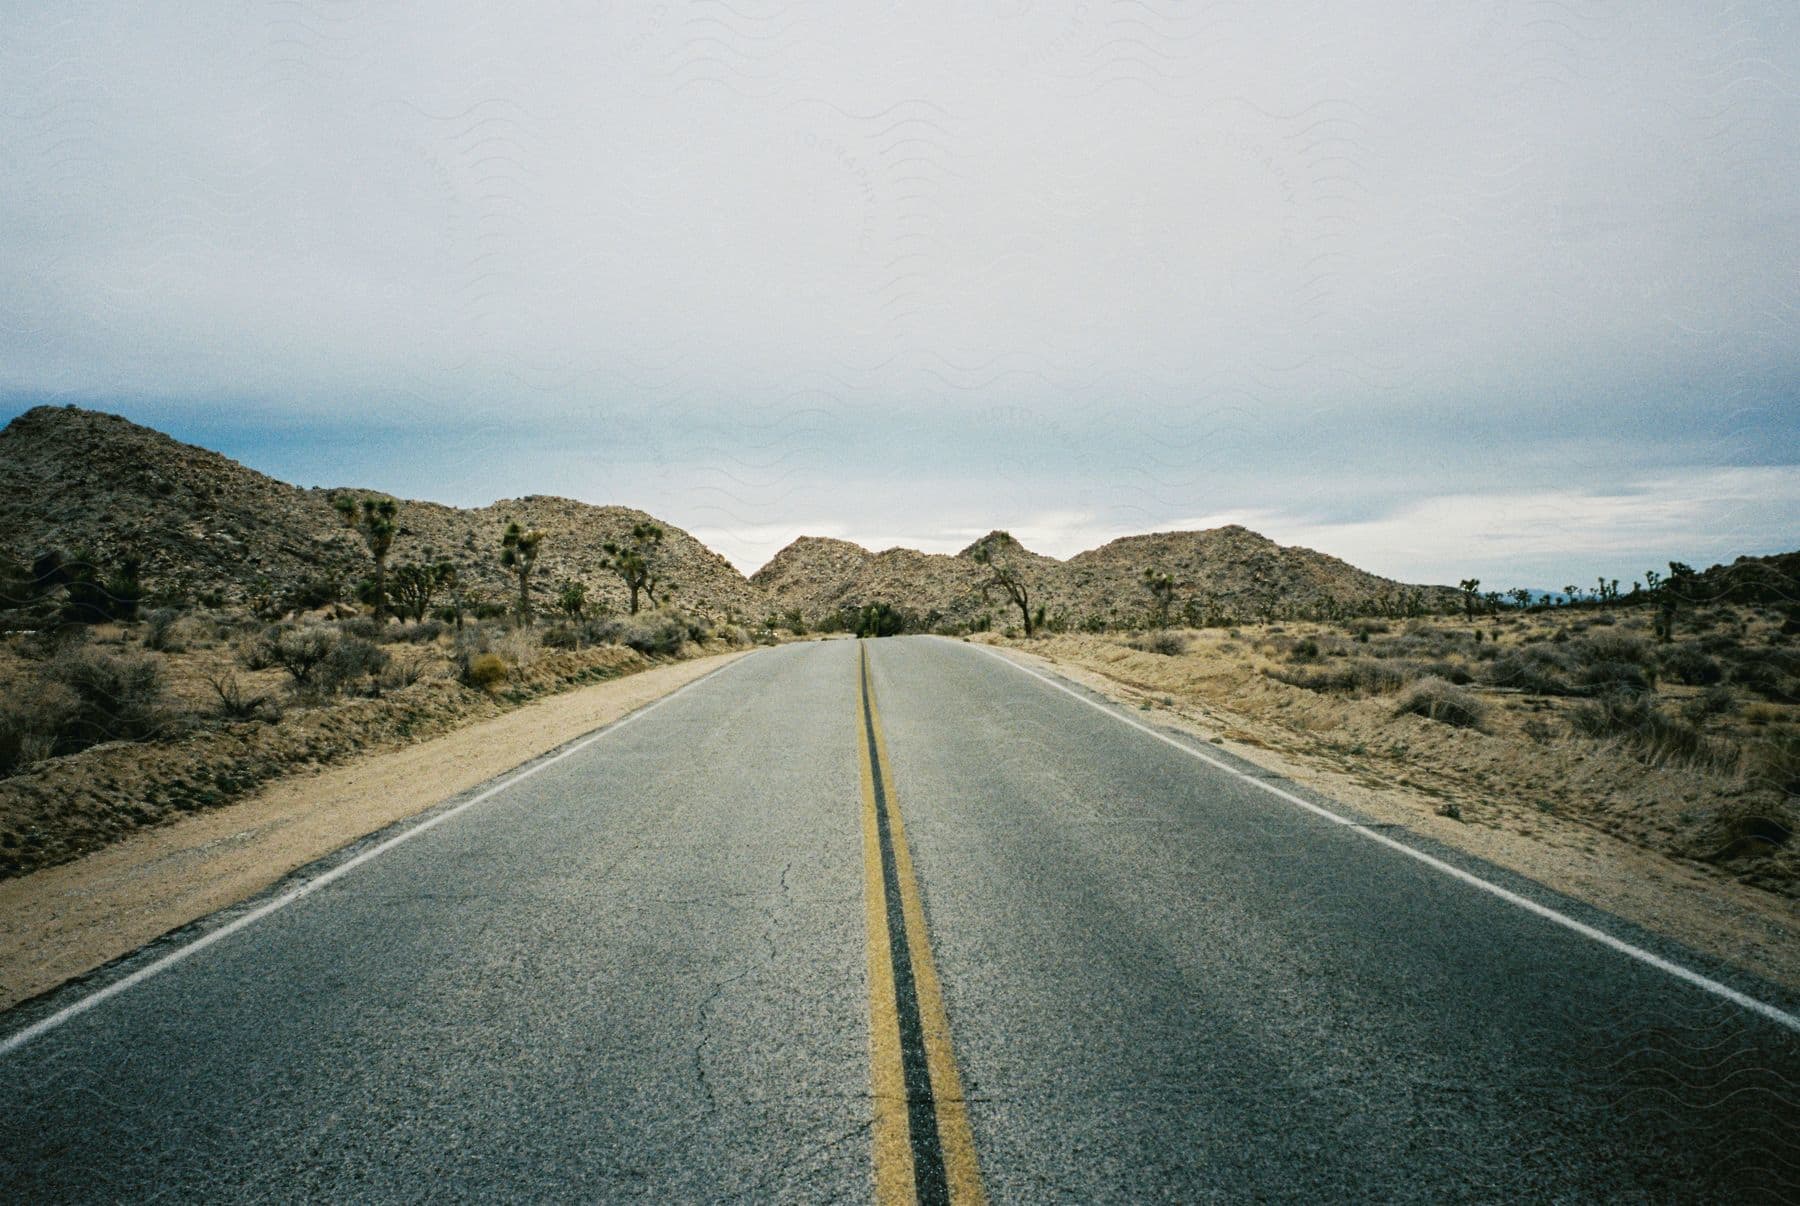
x=1735, y=923
x=66, y=920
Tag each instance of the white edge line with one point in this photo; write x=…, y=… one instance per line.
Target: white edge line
x=1777, y=1015
x=44, y=1025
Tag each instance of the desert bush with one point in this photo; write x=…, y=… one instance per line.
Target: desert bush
x=402, y=672
x=519, y=646
x=310, y=594
x=1712, y=702
x=1650, y=734
x=236, y=702
x=1687, y=664
x=1609, y=677
x=651, y=634
x=1775, y=764
x=163, y=631
x=1169, y=644
x=1362, y=676
x=562, y=636
x=1766, y=680
x=299, y=651
x=1305, y=650
x=1617, y=647
x=1435, y=699
x=47, y=643
x=117, y=698
x=33, y=714
x=1787, y=661
x=1534, y=670
x=422, y=632
x=350, y=661
x=1450, y=672
x=363, y=628
x=483, y=671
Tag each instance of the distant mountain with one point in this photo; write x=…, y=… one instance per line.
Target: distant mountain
x=75, y=479
x=79, y=480
x=1227, y=571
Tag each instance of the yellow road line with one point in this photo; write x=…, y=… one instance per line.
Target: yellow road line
x=905, y=997
x=893, y=1148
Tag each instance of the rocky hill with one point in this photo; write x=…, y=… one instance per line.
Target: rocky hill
x=1222, y=572
x=76, y=479
x=79, y=480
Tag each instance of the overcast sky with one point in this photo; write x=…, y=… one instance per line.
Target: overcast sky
x=1504, y=289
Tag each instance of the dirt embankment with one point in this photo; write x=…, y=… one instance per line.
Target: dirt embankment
x=66, y=807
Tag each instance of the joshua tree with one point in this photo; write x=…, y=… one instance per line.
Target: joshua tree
x=634, y=561
x=1162, y=589
x=375, y=520
x=1007, y=576
x=1674, y=591
x=519, y=553
x=1470, y=587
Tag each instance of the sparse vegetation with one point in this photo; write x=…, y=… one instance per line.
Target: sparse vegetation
x=1686, y=746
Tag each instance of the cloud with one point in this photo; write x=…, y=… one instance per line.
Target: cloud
x=934, y=268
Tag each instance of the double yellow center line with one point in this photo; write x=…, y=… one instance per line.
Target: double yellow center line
x=924, y=1151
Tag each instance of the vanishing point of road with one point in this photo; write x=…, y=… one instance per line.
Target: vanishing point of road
x=901, y=920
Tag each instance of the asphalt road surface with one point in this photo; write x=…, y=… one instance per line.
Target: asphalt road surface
x=896, y=918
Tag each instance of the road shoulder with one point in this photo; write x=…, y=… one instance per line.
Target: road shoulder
x=1736, y=924
x=64, y=921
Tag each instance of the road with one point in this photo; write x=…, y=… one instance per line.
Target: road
x=896, y=917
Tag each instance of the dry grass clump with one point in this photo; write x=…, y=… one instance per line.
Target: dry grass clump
x=1651, y=734
x=483, y=671
x=82, y=697
x=1169, y=644
x=1533, y=669
x=1445, y=702
x=1358, y=677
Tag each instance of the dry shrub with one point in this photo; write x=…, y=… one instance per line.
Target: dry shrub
x=1688, y=664
x=164, y=631
x=1651, y=735
x=1767, y=680
x=32, y=715
x=117, y=698
x=1169, y=644
x=1362, y=676
x=1535, y=670
x=1775, y=764
x=238, y=703
x=483, y=671
x=1435, y=699
x=1612, y=677
x=1616, y=647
